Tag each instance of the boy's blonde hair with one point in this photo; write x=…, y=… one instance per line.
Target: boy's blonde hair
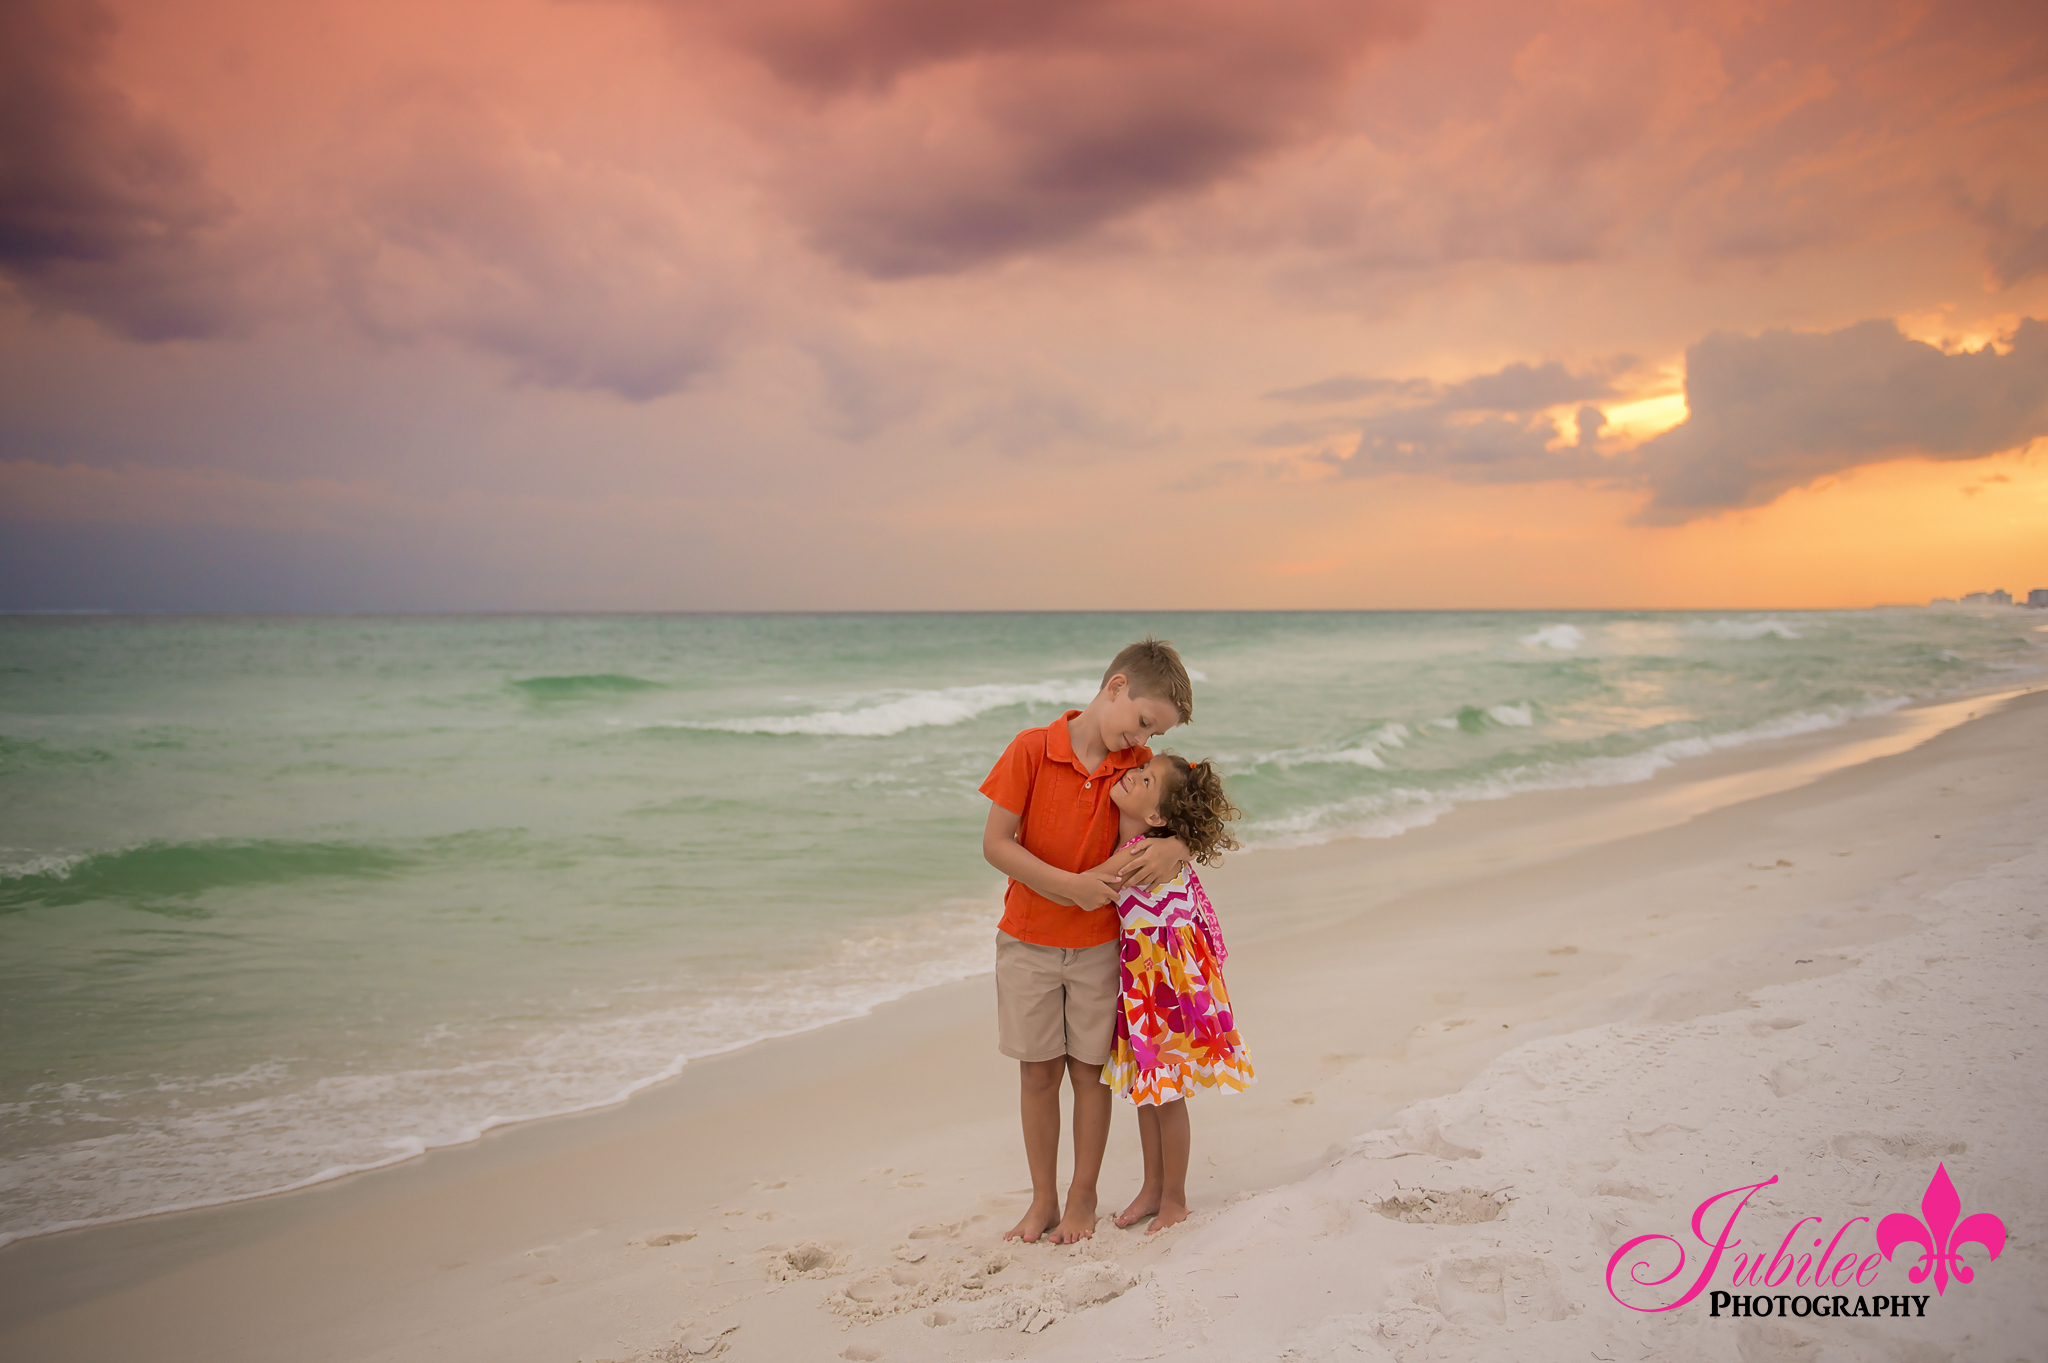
x=1154, y=670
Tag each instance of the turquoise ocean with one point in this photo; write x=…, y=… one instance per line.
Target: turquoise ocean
x=286, y=897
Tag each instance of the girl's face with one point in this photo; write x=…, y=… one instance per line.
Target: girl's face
x=1138, y=793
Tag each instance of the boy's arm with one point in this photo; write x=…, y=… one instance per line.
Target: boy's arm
x=1085, y=890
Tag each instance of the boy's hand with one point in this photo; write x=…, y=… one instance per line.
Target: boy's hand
x=1157, y=861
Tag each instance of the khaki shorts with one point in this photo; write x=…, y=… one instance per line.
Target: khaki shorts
x=1055, y=1001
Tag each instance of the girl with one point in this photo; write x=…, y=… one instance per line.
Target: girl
x=1174, y=1028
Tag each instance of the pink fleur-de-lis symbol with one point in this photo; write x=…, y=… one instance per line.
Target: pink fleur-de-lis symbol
x=1941, y=1236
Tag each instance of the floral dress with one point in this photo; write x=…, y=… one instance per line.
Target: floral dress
x=1175, y=1031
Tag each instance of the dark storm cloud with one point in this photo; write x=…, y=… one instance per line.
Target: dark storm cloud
x=1527, y=387
x=100, y=207
x=831, y=47
x=431, y=218
x=1490, y=428
x=1767, y=414
x=1491, y=447
x=2014, y=248
x=949, y=135
x=1776, y=411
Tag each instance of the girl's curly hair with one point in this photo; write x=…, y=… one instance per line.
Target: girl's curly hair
x=1196, y=810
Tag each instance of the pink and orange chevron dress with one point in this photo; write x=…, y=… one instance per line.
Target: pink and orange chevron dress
x=1175, y=1031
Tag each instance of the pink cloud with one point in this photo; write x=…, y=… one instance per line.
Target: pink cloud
x=458, y=221
x=1710, y=135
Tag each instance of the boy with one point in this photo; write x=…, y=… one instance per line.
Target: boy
x=1052, y=830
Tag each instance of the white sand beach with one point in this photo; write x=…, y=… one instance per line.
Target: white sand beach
x=1490, y=1052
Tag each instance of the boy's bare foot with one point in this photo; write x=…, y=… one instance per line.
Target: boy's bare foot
x=1079, y=1222
x=1170, y=1214
x=1038, y=1219
x=1142, y=1206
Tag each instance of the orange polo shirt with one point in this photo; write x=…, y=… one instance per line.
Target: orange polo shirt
x=1066, y=819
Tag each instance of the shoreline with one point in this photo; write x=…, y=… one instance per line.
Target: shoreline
x=1687, y=783
x=1271, y=902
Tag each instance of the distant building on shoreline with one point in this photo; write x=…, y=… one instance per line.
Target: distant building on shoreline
x=2037, y=597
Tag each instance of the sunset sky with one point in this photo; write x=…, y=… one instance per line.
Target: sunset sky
x=792, y=304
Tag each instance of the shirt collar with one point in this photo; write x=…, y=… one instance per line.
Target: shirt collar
x=1059, y=746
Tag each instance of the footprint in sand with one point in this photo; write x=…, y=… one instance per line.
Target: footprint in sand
x=948, y=1230
x=1634, y=1192
x=1517, y=1290
x=662, y=1239
x=809, y=1259
x=1863, y=1146
x=1660, y=1139
x=1432, y=1207
x=694, y=1341
x=1795, y=1075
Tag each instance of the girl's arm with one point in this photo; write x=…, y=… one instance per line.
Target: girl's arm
x=1154, y=862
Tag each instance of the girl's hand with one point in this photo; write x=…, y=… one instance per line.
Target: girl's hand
x=1094, y=889
x=1157, y=861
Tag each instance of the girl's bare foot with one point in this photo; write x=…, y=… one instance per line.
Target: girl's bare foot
x=1078, y=1223
x=1039, y=1219
x=1171, y=1213
x=1142, y=1206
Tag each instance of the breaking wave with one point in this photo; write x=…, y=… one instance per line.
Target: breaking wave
x=906, y=710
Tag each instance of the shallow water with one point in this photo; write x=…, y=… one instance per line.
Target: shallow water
x=283, y=897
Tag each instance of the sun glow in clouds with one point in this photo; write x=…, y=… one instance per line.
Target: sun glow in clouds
x=1644, y=417
x=565, y=311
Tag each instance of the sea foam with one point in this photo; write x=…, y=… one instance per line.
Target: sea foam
x=905, y=710
x=1741, y=629
x=1389, y=813
x=1564, y=638
x=269, y=1129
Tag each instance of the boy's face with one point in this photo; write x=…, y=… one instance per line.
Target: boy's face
x=1137, y=794
x=1129, y=720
